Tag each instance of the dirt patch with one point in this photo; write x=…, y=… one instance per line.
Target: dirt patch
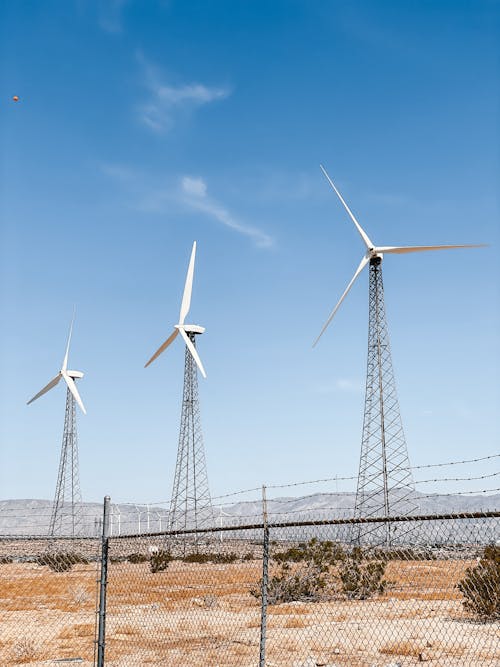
x=204, y=615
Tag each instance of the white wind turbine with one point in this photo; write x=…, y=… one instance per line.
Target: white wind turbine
x=373, y=251
x=190, y=505
x=181, y=328
x=67, y=375
x=385, y=481
x=66, y=511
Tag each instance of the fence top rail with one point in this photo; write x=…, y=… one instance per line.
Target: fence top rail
x=317, y=522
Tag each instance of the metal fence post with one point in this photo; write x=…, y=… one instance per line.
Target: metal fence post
x=265, y=577
x=101, y=636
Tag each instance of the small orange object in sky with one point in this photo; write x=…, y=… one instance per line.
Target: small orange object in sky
x=16, y=98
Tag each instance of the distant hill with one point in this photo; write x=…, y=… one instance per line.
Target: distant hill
x=32, y=517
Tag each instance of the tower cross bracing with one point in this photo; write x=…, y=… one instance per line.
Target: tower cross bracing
x=66, y=516
x=190, y=505
x=385, y=480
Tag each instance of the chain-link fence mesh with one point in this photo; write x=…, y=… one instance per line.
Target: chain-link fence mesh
x=343, y=592
x=184, y=600
x=48, y=600
x=370, y=593
x=385, y=593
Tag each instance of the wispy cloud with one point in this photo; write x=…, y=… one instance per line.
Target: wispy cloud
x=187, y=192
x=111, y=15
x=195, y=195
x=167, y=100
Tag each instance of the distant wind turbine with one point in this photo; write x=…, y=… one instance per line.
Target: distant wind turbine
x=66, y=510
x=185, y=329
x=190, y=505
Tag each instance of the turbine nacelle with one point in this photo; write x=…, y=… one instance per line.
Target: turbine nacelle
x=193, y=328
x=76, y=375
x=181, y=328
x=375, y=254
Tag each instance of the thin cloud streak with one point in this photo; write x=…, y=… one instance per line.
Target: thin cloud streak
x=192, y=194
x=168, y=101
x=195, y=196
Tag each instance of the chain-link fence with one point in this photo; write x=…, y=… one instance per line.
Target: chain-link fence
x=341, y=592
x=48, y=603
x=383, y=593
x=336, y=592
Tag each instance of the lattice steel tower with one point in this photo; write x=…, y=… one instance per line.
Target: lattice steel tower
x=190, y=505
x=66, y=517
x=385, y=481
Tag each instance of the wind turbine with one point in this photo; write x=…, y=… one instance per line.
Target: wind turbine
x=66, y=511
x=190, y=505
x=385, y=481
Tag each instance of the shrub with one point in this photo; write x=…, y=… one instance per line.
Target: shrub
x=6, y=560
x=361, y=576
x=481, y=586
x=316, y=571
x=322, y=553
x=137, y=558
x=24, y=650
x=159, y=560
x=307, y=584
x=309, y=579
x=61, y=562
x=230, y=557
x=210, y=558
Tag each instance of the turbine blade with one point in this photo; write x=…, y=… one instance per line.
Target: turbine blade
x=188, y=287
x=394, y=250
x=361, y=266
x=65, y=360
x=47, y=388
x=72, y=387
x=193, y=351
x=361, y=231
x=169, y=340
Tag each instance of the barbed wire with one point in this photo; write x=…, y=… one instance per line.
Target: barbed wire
x=142, y=507
x=451, y=463
x=457, y=479
x=460, y=493
x=355, y=477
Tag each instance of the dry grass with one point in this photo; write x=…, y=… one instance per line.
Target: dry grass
x=203, y=614
x=80, y=630
x=287, y=609
x=424, y=580
x=294, y=622
x=24, y=651
x=401, y=648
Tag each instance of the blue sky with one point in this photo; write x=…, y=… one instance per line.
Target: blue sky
x=143, y=126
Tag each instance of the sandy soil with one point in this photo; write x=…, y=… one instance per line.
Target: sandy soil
x=203, y=615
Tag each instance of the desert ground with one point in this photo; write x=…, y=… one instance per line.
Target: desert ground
x=199, y=615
